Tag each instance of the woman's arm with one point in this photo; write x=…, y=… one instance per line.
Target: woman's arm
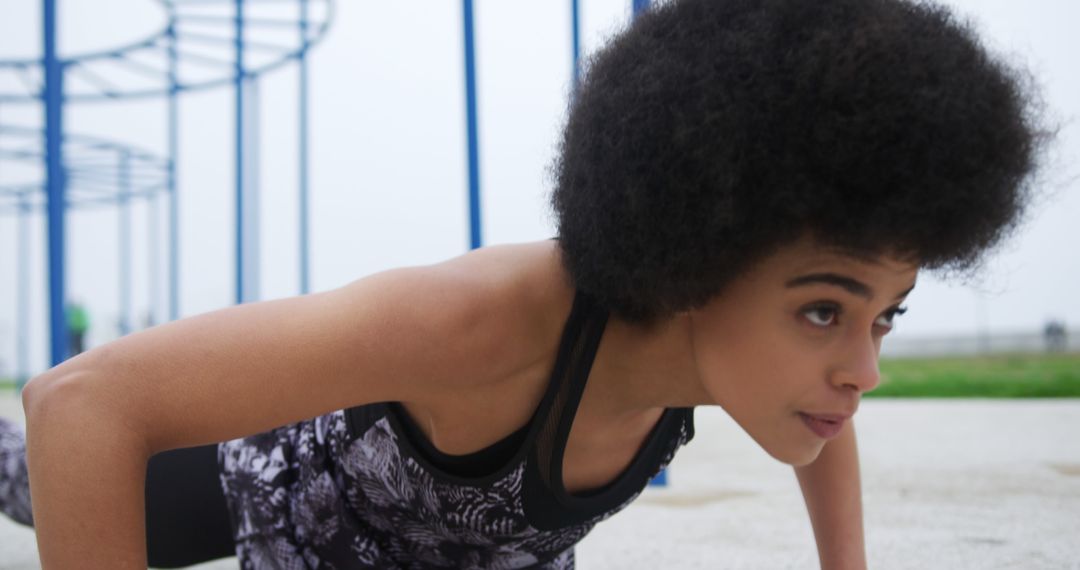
x=408, y=335
x=831, y=488
x=87, y=470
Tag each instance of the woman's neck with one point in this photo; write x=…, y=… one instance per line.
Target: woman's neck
x=641, y=368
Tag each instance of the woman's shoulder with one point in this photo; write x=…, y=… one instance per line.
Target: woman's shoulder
x=526, y=276
x=493, y=319
x=516, y=297
x=474, y=320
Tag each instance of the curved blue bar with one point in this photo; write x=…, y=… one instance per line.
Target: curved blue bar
x=137, y=58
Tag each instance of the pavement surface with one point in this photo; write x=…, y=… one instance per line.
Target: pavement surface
x=951, y=484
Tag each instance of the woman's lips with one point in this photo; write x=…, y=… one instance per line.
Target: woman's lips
x=826, y=427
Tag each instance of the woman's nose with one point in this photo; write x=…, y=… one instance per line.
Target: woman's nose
x=858, y=368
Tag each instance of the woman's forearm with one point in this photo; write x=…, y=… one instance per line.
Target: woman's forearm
x=833, y=494
x=87, y=474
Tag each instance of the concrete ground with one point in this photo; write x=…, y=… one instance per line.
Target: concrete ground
x=952, y=484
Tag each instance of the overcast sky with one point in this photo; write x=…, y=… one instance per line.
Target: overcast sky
x=388, y=157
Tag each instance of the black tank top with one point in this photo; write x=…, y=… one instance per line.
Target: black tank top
x=364, y=488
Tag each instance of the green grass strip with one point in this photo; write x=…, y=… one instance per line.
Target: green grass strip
x=999, y=376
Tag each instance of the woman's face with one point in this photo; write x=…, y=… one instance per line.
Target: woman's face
x=798, y=335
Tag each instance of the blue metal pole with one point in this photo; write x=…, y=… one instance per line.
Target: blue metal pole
x=305, y=267
x=124, y=240
x=471, y=121
x=174, y=198
x=22, y=298
x=239, y=127
x=54, y=167
x=640, y=6
x=575, y=39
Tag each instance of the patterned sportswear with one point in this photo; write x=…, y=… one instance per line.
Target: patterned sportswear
x=362, y=488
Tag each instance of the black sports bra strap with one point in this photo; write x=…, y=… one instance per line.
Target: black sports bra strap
x=580, y=324
x=547, y=503
x=577, y=351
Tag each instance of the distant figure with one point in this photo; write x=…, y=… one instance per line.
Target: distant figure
x=1055, y=336
x=78, y=322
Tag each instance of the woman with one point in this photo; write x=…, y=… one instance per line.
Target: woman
x=745, y=193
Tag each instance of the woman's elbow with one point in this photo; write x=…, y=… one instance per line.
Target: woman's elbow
x=77, y=382
x=73, y=409
x=53, y=391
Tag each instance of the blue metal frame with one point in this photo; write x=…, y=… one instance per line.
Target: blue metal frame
x=575, y=41
x=238, y=86
x=151, y=67
x=54, y=89
x=90, y=167
x=109, y=74
x=475, y=236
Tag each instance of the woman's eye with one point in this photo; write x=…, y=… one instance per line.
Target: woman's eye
x=821, y=316
x=886, y=320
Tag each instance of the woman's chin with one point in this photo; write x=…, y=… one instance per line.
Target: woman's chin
x=795, y=454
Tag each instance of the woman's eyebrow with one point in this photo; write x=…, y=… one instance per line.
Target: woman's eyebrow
x=849, y=284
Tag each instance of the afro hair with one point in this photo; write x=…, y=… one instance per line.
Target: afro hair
x=712, y=132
